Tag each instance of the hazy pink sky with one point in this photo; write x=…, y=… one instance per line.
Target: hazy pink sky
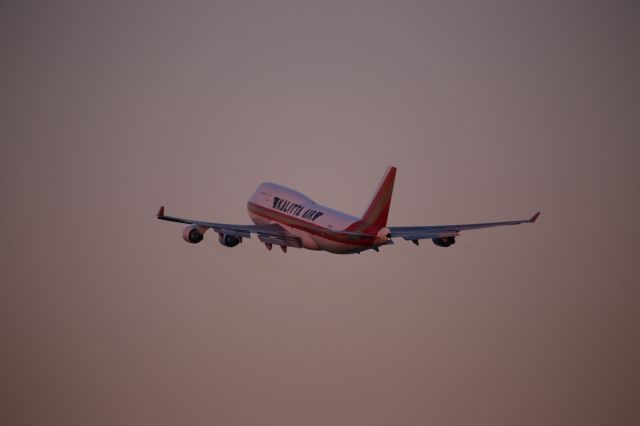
x=490, y=110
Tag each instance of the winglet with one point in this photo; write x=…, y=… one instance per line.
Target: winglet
x=161, y=212
x=534, y=217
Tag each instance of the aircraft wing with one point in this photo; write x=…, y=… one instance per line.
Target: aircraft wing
x=272, y=233
x=415, y=233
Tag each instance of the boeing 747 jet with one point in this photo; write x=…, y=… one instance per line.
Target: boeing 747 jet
x=287, y=218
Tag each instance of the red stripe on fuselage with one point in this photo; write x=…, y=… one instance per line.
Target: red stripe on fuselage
x=362, y=240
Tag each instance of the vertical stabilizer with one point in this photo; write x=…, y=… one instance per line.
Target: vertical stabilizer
x=378, y=210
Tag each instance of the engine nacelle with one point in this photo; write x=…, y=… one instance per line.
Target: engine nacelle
x=444, y=241
x=228, y=240
x=192, y=234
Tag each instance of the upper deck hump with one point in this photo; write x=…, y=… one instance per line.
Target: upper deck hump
x=274, y=189
x=280, y=198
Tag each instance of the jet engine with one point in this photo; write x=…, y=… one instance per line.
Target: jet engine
x=228, y=240
x=444, y=241
x=192, y=234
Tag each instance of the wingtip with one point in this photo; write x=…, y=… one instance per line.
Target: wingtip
x=534, y=217
x=160, y=212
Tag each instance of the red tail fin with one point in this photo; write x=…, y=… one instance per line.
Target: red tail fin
x=378, y=210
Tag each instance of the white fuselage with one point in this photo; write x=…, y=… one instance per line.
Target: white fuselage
x=318, y=227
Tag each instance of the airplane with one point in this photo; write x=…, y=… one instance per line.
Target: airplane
x=288, y=218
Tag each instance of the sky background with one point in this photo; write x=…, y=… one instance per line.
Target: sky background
x=490, y=110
